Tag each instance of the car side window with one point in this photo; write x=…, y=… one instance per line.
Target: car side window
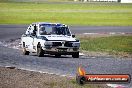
x=33, y=30
x=35, y=27
x=28, y=31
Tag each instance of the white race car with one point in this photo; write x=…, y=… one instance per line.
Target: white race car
x=50, y=38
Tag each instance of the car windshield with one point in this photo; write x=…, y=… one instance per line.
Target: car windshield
x=54, y=30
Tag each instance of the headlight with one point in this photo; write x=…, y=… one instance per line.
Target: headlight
x=77, y=40
x=48, y=43
x=76, y=44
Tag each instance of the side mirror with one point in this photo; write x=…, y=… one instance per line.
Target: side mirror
x=73, y=36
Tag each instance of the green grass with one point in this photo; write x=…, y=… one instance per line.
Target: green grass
x=112, y=44
x=36, y=0
x=93, y=14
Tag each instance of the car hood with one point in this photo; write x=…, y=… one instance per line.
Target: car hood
x=60, y=38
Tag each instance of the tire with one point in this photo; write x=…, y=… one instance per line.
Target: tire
x=40, y=52
x=57, y=55
x=25, y=52
x=75, y=55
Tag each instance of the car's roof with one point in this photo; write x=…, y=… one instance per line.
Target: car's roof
x=50, y=24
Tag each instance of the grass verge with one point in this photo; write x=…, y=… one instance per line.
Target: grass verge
x=118, y=45
x=93, y=14
x=14, y=78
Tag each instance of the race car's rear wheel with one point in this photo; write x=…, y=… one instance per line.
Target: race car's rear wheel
x=25, y=52
x=40, y=51
x=75, y=55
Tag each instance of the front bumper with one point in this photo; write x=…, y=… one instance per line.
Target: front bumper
x=61, y=50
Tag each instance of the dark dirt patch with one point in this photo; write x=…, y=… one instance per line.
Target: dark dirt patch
x=16, y=78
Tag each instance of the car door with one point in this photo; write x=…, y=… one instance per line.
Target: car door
x=30, y=38
x=34, y=37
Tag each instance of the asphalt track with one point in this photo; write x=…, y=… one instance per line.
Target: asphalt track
x=15, y=31
x=64, y=65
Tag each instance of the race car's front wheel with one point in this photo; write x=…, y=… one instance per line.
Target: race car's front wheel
x=25, y=52
x=75, y=55
x=40, y=51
